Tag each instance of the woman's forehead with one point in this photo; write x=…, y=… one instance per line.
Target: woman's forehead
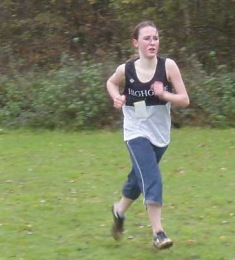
x=148, y=30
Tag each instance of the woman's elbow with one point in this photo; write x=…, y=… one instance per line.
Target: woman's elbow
x=186, y=102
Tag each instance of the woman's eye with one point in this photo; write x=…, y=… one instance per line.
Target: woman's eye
x=149, y=38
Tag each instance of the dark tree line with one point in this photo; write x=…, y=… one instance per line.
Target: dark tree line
x=38, y=33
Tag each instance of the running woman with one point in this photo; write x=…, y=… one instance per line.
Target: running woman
x=151, y=85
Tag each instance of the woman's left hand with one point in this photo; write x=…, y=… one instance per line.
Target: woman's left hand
x=158, y=88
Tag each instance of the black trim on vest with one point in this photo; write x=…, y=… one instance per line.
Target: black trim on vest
x=136, y=90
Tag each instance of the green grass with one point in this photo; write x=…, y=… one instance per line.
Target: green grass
x=56, y=190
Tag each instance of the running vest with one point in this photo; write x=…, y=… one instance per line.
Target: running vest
x=156, y=125
x=137, y=91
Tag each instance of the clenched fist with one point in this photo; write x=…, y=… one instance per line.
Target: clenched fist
x=119, y=101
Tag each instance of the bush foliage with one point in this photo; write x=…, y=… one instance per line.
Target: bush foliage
x=74, y=97
x=212, y=96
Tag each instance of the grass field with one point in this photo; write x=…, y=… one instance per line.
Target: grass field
x=56, y=190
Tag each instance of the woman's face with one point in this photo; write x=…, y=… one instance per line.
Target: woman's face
x=147, y=42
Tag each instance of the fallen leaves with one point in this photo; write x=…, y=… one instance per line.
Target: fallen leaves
x=191, y=242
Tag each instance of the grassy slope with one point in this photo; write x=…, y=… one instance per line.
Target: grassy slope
x=56, y=190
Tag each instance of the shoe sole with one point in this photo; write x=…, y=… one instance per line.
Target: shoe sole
x=165, y=245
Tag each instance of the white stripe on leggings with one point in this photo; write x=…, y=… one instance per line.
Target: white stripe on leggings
x=141, y=175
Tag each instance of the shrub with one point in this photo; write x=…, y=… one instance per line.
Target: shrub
x=73, y=96
x=212, y=97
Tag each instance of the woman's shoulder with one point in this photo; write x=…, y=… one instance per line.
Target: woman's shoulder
x=170, y=64
x=121, y=68
x=120, y=71
x=127, y=64
x=166, y=59
x=132, y=60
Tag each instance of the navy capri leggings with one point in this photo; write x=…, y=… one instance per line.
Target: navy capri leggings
x=145, y=176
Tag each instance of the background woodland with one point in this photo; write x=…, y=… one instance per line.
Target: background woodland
x=56, y=56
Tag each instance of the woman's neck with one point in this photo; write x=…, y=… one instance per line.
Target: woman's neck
x=147, y=63
x=145, y=68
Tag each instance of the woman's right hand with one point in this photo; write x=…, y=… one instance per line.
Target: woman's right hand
x=119, y=101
